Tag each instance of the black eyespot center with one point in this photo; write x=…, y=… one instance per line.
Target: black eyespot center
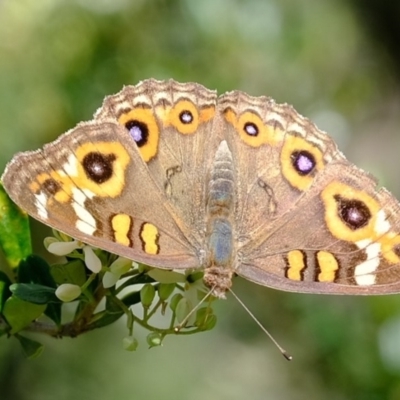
x=98, y=166
x=251, y=129
x=303, y=162
x=354, y=213
x=51, y=186
x=139, y=131
x=186, y=117
x=396, y=250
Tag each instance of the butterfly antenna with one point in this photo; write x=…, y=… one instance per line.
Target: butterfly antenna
x=280, y=348
x=192, y=311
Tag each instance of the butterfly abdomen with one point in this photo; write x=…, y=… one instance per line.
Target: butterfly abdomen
x=221, y=186
x=220, y=206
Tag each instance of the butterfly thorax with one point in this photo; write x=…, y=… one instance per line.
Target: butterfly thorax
x=220, y=205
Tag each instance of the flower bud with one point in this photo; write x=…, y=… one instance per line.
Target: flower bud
x=68, y=292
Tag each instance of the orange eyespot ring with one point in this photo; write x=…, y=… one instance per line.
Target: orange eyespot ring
x=143, y=129
x=184, y=116
x=101, y=168
x=350, y=214
x=300, y=160
x=252, y=129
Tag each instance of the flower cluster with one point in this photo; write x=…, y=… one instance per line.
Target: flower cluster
x=124, y=283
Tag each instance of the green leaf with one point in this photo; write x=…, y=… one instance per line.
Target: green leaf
x=5, y=292
x=15, y=238
x=195, y=276
x=111, y=305
x=35, y=270
x=72, y=272
x=131, y=299
x=105, y=318
x=20, y=313
x=34, y=293
x=53, y=311
x=176, y=298
x=136, y=280
x=31, y=348
x=4, y=327
x=165, y=276
x=205, y=318
x=183, y=309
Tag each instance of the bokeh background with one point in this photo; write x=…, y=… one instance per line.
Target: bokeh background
x=336, y=61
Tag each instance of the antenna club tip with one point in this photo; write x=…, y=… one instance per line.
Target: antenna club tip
x=287, y=356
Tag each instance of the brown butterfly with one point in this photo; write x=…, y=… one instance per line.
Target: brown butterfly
x=173, y=176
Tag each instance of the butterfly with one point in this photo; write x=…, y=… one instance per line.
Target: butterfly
x=171, y=175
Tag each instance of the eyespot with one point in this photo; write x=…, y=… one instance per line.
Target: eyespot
x=143, y=129
x=51, y=186
x=184, y=116
x=252, y=130
x=352, y=214
x=55, y=184
x=98, y=167
x=300, y=161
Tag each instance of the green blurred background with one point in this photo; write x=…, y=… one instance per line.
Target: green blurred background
x=336, y=61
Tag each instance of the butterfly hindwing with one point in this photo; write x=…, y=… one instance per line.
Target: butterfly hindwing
x=341, y=238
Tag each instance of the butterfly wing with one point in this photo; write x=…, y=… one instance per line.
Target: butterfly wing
x=343, y=238
x=271, y=143
x=181, y=138
x=132, y=181
x=307, y=219
x=93, y=185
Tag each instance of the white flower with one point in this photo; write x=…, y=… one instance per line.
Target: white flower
x=63, y=248
x=119, y=267
x=92, y=262
x=68, y=292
